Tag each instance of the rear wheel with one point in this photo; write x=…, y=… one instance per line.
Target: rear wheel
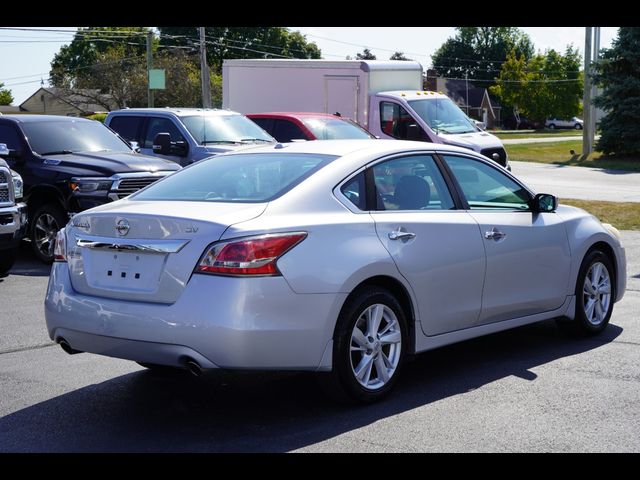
x=47, y=220
x=369, y=347
x=595, y=293
x=578, y=126
x=552, y=126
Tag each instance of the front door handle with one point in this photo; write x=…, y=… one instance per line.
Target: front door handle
x=494, y=234
x=401, y=234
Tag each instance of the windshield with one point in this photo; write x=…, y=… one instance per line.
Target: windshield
x=59, y=137
x=212, y=129
x=335, y=128
x=442, y=115
x=242, y=178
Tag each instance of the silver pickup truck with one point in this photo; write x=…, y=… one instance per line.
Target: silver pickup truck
x=13, y=213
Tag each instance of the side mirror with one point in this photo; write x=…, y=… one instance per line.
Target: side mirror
x=162, y=144
x=180, y=148
x=413, y=132
x=7, y=153
x=544, y=202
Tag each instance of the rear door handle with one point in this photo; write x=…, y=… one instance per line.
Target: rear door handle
x=401, y=234
x=494, y=234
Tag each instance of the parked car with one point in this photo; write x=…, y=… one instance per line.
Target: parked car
x=289, y=126
x=186, y=135
x=575, y=122
x=69, y=164
x=524, y=123
x=13, y=213
x=339, y=256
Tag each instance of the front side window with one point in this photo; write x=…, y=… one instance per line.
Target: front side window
x=161, y=125
x=411, y=183
x=396, y=122
x=286, y=131
x=241, y=178
x=486, y=187
x=56, y=137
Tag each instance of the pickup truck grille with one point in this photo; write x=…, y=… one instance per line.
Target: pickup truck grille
x=5, y=183
x=127, y=186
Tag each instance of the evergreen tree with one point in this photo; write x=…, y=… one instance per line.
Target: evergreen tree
x=365, y=55
x=5, y=95
x=618, y=73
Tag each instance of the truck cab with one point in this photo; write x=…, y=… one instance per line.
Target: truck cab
x=430, y=117
x=186, y=135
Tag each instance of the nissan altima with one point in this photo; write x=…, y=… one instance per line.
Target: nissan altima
x=342, y=257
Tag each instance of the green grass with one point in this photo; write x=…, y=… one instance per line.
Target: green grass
x=562, y=132
x=558, y=153
x=622, y=215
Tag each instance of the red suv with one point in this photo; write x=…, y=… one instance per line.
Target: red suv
x=290, y=126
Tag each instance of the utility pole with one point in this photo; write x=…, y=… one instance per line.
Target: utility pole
x=594, y=92
x=466, y=80
x=149, y=67
x=587, y=134
x=204, y=72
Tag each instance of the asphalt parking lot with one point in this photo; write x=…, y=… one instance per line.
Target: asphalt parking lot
x=530, y=389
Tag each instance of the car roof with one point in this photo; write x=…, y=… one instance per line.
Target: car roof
x=298, y=115
x=176, y=111
x=341, y=148
x=45, y=118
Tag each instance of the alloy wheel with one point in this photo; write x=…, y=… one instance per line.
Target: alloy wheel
x=44, y=234
x=596, y=293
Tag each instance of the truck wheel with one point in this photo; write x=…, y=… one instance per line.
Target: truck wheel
x=46, y=222
x=7, y=258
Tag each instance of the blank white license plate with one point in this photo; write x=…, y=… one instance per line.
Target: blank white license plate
x=123, y=270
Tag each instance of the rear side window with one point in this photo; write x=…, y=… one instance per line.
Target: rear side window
x=354, y=190
x=241, y=178
x=127, y=127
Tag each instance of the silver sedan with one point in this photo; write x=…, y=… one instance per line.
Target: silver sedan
x=341, y=257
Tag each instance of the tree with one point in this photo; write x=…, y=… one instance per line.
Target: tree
x=5, y=95
x=546, y=85
x=398, y=56
x=365, y=55
x=72, y=66
x=618, y=74
x=242, y=42
x=480, y=52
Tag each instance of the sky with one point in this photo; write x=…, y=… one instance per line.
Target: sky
x=25, y=56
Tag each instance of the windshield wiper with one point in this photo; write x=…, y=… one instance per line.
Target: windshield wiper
x=58, y=152
x=254, y=140
x=232, y=142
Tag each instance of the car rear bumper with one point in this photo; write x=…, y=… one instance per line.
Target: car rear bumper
x=225, y=322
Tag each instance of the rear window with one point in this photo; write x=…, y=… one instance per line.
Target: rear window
x=242, y=178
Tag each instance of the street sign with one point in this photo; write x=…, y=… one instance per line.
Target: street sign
x=156, y=79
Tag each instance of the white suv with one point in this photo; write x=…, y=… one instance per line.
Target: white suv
x=575, y=122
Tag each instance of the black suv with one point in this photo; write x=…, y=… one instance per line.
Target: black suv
x=69, y=164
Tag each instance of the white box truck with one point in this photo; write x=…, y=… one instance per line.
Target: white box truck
x=385, y=97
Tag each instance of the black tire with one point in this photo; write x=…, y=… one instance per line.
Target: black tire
x=341, y=384
x=53, y=218
x=578, y=126
x=584, y=323
x=7, y=259
x=552, y=126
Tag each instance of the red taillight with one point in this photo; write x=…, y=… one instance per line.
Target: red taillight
x=248, y=256
x=60, y=247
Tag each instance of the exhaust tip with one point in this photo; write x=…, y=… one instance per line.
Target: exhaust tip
x=193, y=366
x=66, y=347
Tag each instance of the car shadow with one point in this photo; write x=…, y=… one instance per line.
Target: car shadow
x=148, y=411
x=603, y=163
x=27, y=264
